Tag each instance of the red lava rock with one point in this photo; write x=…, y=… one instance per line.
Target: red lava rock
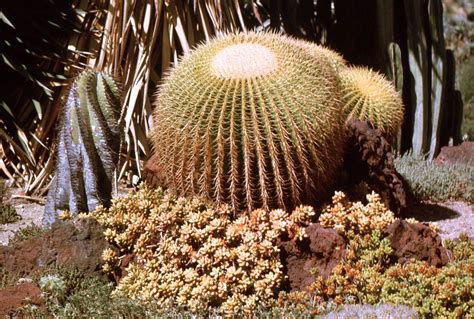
x=12, y=298
x=78, y=243
x=460, y=154
x=323, y=250
x=418, y=241
x=369, y=158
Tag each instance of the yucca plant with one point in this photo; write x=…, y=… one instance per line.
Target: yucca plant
x=250, y=119
x=88, y=146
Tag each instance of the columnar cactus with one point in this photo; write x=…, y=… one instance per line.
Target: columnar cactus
x=250, y=119
x=368, y=96
x=88, y=146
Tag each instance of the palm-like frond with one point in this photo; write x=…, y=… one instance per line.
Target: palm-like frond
x=34, y=64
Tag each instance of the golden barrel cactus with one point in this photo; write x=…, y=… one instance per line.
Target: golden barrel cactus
x=252, y=120
x=368, y=96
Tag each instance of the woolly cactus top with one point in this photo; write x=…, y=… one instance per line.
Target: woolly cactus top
x=250, y=119
x=243, y=61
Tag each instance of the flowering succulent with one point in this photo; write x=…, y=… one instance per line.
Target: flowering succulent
x=192, y=255
x=350, y=219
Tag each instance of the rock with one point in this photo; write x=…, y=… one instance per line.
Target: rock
x=369, y=158
x=78, y=243
x=418, y=241
x=460, y=154
x=12, y=298
x=323, y=250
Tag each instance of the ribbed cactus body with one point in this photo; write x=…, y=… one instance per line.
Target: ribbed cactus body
x=88, y=146
x=368, y=96
x=251, y=120
x=320, y=52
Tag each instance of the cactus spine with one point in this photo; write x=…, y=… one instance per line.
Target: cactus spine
x=88, y=146
x=251, y=120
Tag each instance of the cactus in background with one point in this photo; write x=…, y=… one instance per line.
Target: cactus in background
x=88, y=146
x=252, y=120
x=368, y=96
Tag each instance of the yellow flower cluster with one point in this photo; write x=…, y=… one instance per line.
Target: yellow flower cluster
x=352, y=219
x=192, y=255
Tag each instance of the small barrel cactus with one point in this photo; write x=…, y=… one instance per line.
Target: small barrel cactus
x=250, y=119
x=368, y=96
x=88, y=146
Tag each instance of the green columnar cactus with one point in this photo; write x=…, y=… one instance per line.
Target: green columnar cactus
x=368, y=96
x=88, y=146
x=251, y=120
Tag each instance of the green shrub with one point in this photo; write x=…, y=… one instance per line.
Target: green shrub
x=430, y=181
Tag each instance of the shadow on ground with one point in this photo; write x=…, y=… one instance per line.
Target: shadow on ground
x=425, y=212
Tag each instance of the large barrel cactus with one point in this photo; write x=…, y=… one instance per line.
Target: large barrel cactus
x=250, y=119
x=88, y=146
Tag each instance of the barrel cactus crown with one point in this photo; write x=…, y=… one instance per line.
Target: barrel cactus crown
x=252, y=120
x=368, y=96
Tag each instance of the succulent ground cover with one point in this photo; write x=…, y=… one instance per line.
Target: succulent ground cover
x=191, y=254
x=430, y=181
x=367, y=275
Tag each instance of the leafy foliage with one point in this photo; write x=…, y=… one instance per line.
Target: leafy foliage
x=429, y=181
x=36, y=60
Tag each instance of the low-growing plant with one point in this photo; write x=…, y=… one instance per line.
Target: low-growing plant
x=350, y=219
x=8, y=213
x=197, y=256
x=367, y=277
x=70, y=293
x=25, y=233
x=429, y=181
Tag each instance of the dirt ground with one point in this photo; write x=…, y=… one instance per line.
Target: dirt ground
x=31, y=213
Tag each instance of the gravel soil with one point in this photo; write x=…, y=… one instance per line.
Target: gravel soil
x=31, y=212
